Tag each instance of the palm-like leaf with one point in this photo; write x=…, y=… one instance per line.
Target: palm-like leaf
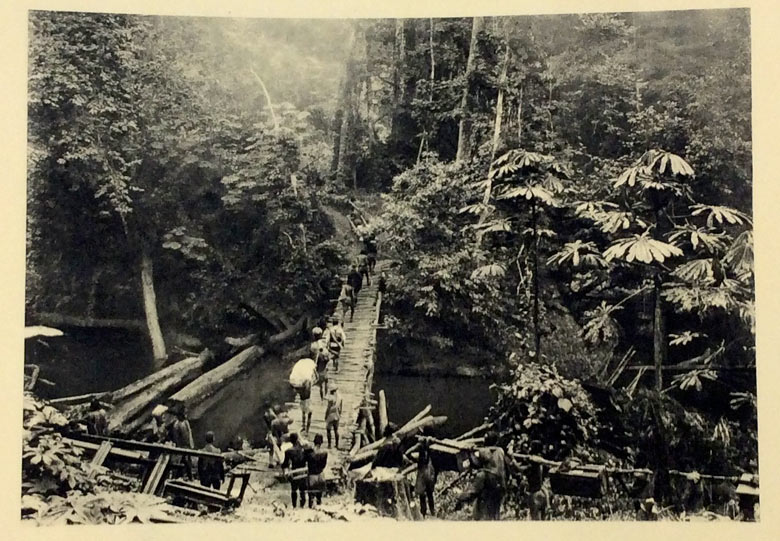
x=696, y=270
x=720, y=214
x=488, y=271
x=494, y=226
x=593, y=209
x=616, y=220
x=726, y=296
x=577, y=253
x=739, y=256
x=685, y=338
x=529, y=192
x=698, y=236
x=518, y=160
x=641, y=248
x=654, y=162
x=693, y=379
x=601, y=325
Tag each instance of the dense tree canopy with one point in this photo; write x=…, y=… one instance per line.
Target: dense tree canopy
x=569, y=191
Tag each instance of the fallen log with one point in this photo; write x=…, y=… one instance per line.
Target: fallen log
x=382, y=410
x=368, y=452
x=181, y=368
x=474, y=431
x=425, y=411
x=213, y=380
x=136, y=404
x=63, y=320
x=78, y=399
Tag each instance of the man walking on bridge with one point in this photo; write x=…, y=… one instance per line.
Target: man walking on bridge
x=347, y=301
x=333, y=414
x=355, y=279
x=335, y=339
x=362, y=264
x=321, y=356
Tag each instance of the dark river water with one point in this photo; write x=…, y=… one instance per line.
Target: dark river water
x=84, y=362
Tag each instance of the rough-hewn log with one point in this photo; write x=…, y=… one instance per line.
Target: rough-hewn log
x=474, y=431
x=63, y=320
x=378, y=443
x=215, y=379
x=370, y=450
x=382, y=410
x=179, y=368
x=150, y=308
x=135, y=404
x=425, y=411
x=78, y=399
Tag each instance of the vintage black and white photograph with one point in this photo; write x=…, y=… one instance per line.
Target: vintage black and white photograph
x=395, y=269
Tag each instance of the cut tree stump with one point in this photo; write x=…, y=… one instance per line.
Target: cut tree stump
x=390, y=494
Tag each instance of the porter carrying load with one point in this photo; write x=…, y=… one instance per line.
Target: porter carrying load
x=302, y=372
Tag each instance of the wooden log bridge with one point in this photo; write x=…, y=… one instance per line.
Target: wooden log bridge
x=354, y=378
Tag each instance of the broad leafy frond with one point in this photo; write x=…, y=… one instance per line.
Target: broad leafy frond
x=641, y=248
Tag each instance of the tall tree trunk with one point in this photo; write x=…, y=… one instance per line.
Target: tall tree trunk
x=496, y=135
x=399, y=80
x=520, y=118
x=464, y=126
x=267, y=99
x=535, y=241
x=345, y=161
x=92, y=295
x=150, y=307
x=424, y=137
x=659, y=333
x=659, y=320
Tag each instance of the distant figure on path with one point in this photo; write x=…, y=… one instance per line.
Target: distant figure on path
x=333, y=414
x=355, y=279
x=381, y=286
x=294, y=459
x=211, y=470
x=347, y=301
x=181, y=436
x=426, y=479
x=335, y=339
x=362, y=265
x=96, y=421
x=304, y=393
x=316, y=460
x=371, y=252
x=321, y=356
